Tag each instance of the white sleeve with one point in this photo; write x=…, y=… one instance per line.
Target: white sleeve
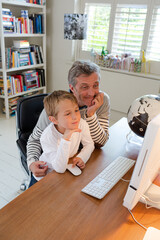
x=87, y=142
x=55, y=153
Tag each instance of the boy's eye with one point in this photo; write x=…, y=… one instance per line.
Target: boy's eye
x=67, y=114
x=77, y=110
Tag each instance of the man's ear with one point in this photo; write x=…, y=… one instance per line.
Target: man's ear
x=71, y=87
x=53, y=119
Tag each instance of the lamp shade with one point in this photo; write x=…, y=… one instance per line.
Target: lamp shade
x=75, y=26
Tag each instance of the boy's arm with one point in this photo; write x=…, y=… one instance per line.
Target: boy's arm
x=55, y=154
x=87, y=142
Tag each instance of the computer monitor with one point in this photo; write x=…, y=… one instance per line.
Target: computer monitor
x=146, y=169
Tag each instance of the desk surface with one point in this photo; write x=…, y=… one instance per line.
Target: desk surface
x=56, y=209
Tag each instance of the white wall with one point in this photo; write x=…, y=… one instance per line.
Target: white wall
x=58, y=50
x=122, y=88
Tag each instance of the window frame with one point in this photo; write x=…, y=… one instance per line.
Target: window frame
x=150, y=7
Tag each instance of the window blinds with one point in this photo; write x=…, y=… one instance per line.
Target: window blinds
x=128, y=29
x=98, y=26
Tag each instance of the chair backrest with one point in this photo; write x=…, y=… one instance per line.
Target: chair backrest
x=27, y=114
x=28, y=111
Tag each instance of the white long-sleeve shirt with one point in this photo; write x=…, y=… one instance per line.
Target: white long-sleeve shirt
x=57, y=150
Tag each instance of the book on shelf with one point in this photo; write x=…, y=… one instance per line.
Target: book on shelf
x=9, y=91
x=41, y=77
x=21, y=44
x=8, y=21
x=31, y=79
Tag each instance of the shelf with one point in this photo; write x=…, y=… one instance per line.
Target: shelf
x=23, y=93
x=38, y=39
x=18, y=3
x=19, y=35
x=24, y=68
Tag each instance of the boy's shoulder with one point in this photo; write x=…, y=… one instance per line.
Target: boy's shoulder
x=47, y=129
x=82, y=123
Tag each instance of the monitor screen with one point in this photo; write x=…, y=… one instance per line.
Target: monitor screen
x=147, y=167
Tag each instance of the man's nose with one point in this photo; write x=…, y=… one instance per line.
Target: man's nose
x=91, y=91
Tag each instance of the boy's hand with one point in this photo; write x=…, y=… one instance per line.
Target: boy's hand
x=38, y=168
x=96, y=103
x=68, y=133
x=79, y=162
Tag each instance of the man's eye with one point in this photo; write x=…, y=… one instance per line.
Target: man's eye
x=96, y=86
x=67, y=114
x=77, y=110
x=85, y=87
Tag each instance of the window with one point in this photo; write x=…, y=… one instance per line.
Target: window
x=153, y=47
x=128, y=29
x=123, y=26
x=98, y=26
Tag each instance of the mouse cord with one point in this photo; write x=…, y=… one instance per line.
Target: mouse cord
x=136, y=220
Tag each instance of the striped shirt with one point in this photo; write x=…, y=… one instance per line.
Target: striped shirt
x=98, y=125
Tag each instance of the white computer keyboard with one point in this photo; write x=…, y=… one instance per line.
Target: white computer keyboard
x=106, y=180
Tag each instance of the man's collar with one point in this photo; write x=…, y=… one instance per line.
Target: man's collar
x=80, y=108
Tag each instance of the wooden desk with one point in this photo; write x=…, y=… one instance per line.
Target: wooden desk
x=56, y=209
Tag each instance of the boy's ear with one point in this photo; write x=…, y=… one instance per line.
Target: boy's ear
x=53, y=119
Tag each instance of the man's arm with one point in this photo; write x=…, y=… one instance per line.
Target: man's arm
x=99, y=123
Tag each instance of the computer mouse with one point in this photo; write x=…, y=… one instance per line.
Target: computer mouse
x=74, y=170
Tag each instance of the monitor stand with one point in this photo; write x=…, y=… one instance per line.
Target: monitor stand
x=153, y=193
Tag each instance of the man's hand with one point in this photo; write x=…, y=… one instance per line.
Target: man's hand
x=68, y=133
x=96, y=103
x=38, y=168
x=79, y=162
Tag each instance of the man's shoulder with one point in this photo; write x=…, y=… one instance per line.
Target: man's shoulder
x=106, y=97
x=43, y=120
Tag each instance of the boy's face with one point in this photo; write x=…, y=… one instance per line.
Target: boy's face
x=86, y=89
x=68, y=116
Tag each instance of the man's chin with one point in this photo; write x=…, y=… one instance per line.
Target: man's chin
x=88, y=103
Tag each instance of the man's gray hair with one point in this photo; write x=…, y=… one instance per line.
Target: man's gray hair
x=80, y=67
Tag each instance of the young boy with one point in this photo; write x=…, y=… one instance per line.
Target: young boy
x=61, y=139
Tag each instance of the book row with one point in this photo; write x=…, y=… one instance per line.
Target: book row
x=25, y=81
x=32, y=23
x=40, y=2
x=19, y=57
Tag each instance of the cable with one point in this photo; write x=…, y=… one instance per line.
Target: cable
x=125, y=180
x=136, y=220
x=150, y=200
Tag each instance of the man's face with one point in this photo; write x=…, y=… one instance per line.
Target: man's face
x=86, y=89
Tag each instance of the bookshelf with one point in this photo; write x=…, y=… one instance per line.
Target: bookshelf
x=31, y=28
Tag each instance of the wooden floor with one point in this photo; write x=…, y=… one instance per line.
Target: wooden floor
x=11, y=173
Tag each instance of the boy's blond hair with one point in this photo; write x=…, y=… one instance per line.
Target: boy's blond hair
x=52, y=100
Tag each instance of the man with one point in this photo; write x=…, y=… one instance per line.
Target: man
x=84, y=80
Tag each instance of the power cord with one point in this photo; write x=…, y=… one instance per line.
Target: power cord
x=136, y=220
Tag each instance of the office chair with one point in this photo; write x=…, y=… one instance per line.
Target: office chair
x=27, y=114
